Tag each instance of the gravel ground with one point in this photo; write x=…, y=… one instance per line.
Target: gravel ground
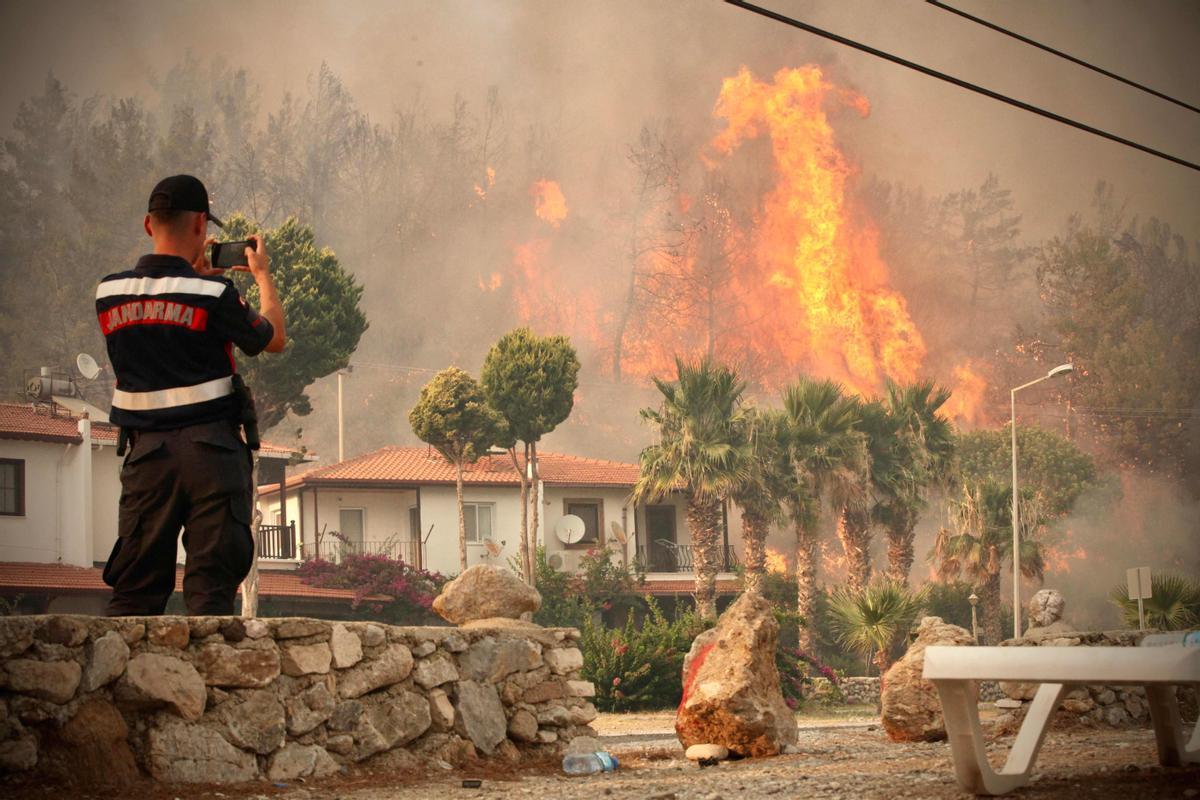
x=851, y=761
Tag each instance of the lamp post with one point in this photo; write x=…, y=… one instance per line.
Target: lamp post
x=1062, y=369
x=974, y=600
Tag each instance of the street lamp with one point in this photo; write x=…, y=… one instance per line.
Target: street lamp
x=974, y=600
x=1062, y=369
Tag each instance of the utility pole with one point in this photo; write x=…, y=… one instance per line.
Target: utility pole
x=341, y=417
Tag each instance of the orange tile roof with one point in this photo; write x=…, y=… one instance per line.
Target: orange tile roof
x=409, y=466
x=53, y=423
x=685, y=586
x=60, y=578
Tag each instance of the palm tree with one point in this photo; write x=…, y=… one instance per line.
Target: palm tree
x=827, y=458
x=702, y=453
x=872, y=620
x=766, y=482
x=981, y=541
x=915, y=406
x=891, y=472
x=1174, y=604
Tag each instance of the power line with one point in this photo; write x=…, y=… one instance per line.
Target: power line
x=942, y=76
x=1061, y=54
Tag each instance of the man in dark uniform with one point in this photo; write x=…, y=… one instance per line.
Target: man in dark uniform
x=170, y=325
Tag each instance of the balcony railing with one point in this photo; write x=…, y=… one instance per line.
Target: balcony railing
x=335, y=550
x=669, y=557
x=277, y=541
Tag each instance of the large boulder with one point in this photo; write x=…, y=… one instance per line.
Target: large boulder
x=486, y=591
x=1046, y=614
x=911, y=709
x=731, y=694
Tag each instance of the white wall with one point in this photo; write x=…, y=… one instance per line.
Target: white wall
x=36, y=536
x=106, y=494
x=71, y=494
x=439, y=508
x=616, y=508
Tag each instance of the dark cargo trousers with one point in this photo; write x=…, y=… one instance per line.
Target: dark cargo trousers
x=196, y=478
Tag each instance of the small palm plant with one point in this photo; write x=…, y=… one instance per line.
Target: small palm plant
x=1173, y=606
x=873, y=620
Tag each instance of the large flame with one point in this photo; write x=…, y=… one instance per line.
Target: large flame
x=819, y=286
x=966, y=401
x=800, y=286
x=777, y=562
x=548, y=202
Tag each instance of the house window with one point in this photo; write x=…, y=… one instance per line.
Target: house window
x=12, y=487
x=351, y=523
x=592, y=514
x=278, y=516
x=478, y=517
x=414, y=523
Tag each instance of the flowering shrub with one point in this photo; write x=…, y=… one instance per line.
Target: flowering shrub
x=385, y=588
x=638, y=666
x=796, y=671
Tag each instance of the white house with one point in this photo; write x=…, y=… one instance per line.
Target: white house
x=402, y=501
x=59, y=487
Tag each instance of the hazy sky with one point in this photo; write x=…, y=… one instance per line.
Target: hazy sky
x=604, y=68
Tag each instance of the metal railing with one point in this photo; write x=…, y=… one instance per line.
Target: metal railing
x=333, y=549
x=667, y=556
x=277, y=541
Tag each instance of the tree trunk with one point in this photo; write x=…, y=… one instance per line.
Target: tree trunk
x=806, y=587
x=536, y=501
x=854, y=531
x=704, y=522
x=990, y=605
x=523, y=544
x=754, y=539
x=462, y=519
x=250, y=584
x=900, y=535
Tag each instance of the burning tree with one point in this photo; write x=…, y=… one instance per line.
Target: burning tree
x=454, y=418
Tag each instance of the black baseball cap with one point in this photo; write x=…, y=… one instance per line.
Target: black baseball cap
x=182, y=193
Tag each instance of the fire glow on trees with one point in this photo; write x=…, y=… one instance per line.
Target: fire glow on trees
x=548, y=202
x=802, y=287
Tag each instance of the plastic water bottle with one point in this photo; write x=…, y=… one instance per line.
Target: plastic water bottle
x=589, y=763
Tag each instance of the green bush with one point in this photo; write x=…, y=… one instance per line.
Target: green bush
x=1174, y=605
x=949, y=601
x=638, y=666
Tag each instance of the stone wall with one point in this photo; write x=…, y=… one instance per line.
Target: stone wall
x=865, y=691
x=223, y=700
x=1114, y=706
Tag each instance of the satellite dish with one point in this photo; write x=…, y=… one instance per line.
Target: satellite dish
x=494, y=549
x=555, y=560
x=87, y=365
x=618, y=532
x=570, y=529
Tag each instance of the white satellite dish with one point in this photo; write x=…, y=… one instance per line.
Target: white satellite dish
x=570, y=529
x=618, y=532
x=87, y=365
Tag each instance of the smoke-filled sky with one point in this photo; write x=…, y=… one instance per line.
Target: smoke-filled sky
x=595, y=73
x=603, y=68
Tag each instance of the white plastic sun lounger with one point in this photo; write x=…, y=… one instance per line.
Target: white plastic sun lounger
x=955, y=672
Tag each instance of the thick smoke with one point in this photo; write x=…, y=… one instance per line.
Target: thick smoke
x=564, y=92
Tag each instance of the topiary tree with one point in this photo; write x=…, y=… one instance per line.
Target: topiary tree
x=531, y=381
x=324, y=323
x=453, y=417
